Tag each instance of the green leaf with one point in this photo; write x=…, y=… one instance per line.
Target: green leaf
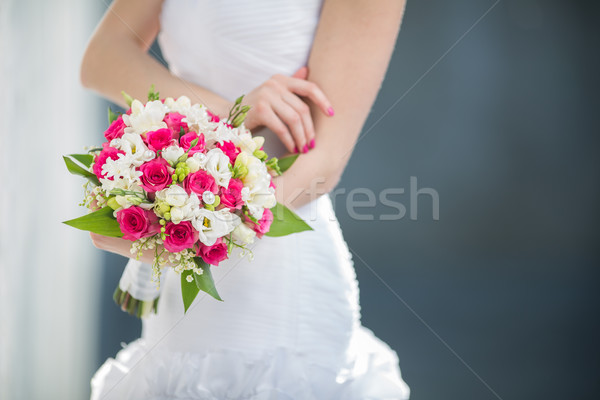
x=205, y=281
x=128, y=99
x=153, y=94
x=76, y=169
x=85, y=159
x=189, y=290
x=286, y=222
x=112, y=116
x=101, y=222
x=286, y=162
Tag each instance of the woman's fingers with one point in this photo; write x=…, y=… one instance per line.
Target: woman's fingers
x=307, y=123
x=311, y=91
x=302, y=73
x=292, y=119
x=274, y=123
x=281, y=104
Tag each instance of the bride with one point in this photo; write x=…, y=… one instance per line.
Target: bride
x=289, y=327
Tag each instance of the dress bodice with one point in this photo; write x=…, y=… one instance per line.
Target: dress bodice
x=232, y=46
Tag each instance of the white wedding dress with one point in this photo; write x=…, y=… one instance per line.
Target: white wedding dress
x=289, y=326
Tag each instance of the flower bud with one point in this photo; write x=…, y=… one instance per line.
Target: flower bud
x=238, y=120
x=162, y=207
x=136, y=201
x=261, y=155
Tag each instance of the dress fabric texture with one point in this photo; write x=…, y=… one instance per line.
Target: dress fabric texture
x=289, y=326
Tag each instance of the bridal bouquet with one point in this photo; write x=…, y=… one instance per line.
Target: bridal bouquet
x=179, y=181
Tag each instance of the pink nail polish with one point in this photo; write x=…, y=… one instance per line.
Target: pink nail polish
x=312, y=144
x=295, y=150
x=305, y=149
x=330, y=111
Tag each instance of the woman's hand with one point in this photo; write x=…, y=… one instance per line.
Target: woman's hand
x=278, y=104
x=120, y=246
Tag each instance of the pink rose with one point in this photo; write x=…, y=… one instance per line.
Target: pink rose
x=136, y=223
x=264, y=223
x=158, y=140
x=106, y=153
x=115, y=130
x=174, y=123
x=180, y=236
x=156, y=175
x=186, y=140
x=199, y=182
x=214, y=254
x=213, y=117
x=232, y=196
x=230, y=150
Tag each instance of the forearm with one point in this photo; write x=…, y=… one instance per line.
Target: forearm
x=350, y=55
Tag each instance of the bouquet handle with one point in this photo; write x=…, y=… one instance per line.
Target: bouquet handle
x=137, y=293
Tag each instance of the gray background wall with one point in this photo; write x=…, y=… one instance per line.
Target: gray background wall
x=502, y=290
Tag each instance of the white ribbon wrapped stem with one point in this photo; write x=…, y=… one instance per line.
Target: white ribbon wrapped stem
x=137, y=281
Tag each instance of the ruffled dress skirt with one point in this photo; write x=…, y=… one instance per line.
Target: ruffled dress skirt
x=288, y=328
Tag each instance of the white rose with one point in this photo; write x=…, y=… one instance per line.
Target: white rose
x=185, y=213
x=217, y=164
x=243, y=235
x=172, y=153
x=145, y=118
x=174, y=196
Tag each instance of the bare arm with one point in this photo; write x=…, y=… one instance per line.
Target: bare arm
x=349, y=58
x=116, y=58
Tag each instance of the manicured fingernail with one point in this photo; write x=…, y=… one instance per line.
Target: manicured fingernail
x=295, y=150
x=305, y=149
x=312, y=143
x=330, y=111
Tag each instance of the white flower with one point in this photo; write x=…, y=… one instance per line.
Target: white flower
x=211, y=225
x=181, y=105
x=122, y=171
x=174, y=196
x=250, y=144
x=257, y=192
x=221, y=133
x=133, y=145
x=198, y=119
x=243, y=235
x=185, y=213
x=172, y=153
x=196, y=161
x=145, y=118
x=245, y=193
x=183, y=207
x=217, y=164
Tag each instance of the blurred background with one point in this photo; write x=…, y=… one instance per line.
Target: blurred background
x=491, y=104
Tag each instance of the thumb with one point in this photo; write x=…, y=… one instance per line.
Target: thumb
x=302, y=73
